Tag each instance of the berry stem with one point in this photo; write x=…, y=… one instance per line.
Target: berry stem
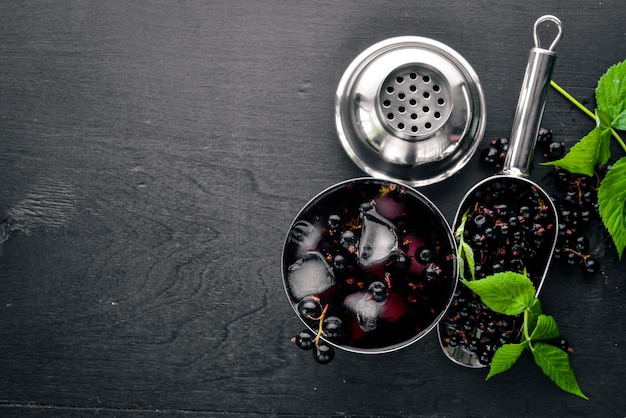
x=578, y=253
x=321, y=325
x=585, y=110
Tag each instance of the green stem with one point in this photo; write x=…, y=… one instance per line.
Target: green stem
x=585, y=110
x=525, y=326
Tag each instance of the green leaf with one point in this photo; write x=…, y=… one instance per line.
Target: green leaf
x=611, y=93
x=508, y=292
x=602, y=119
x=611, y=203
x=545, y=329
x=469, y=257
x=593, y=149
x=466, y=253
x=554, y=363
x=620, y=121
x=505, y=357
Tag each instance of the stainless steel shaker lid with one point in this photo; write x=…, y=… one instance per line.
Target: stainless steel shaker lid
x=410, y=109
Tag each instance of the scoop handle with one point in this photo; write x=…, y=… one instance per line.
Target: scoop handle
x=532, y=101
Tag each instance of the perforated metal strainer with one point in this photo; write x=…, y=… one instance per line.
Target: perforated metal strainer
x=410, y=109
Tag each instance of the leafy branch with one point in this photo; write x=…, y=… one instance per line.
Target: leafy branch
x=594, y=149
x=512, y=294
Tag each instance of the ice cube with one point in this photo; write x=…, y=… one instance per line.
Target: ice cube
x=378, y=241
x=310, y=275
x=305, y=235
x=367, y=316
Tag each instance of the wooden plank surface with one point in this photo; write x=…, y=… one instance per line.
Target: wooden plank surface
x=152, y=157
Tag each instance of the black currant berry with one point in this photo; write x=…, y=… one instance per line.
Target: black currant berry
x=304, y=340
x=423, y=255
x=544, y=137
x=572, y=258
x=501, y=144
x=432, y=272
x=309, y=307
x=323, y=353
x=582, y=244
x=491, y=156
x=590, y=266
x=555, y=151
x=332, y=327
x=334, y=221
x=340, y=263
x=402, y=262
x=377, y=291
x=480, y=221
x=348, y=239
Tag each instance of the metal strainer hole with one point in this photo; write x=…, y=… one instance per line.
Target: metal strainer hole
x=401, y=96
x=399, y=80
x=387, y=103
x=425, y=109
x=401, y=125
x=390, y=116
x=426, y=95
x=436, y=87
x=426, y=79
x=428, y=125
x=389, y=89
x=401, y=109
x=413, y=76
x=437, y=115
x=412, y=102
x=413, y=116
x=441, y=101
x=413, y=128
x=413, y=88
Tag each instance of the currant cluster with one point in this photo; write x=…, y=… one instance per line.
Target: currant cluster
x=552, y=150
x=509, y=226
x=495, y=153
x=367, y=268
x=323, y=352
x=578, y=209
x=577, y=202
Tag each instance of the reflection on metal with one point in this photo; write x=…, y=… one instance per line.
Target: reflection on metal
x=410, y=109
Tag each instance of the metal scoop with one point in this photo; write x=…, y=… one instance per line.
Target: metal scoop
x=508, y=220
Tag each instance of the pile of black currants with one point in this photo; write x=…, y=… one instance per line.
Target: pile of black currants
x=510, y=226
x=576, y=198
x=495, y=153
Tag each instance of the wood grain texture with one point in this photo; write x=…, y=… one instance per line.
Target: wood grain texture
x=153, y=155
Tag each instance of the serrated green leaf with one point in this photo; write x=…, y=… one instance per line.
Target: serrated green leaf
x=554, y=363
x=508, y=292
x=504, y=358
x=602, y=119
x=611, y=91
x=593, y=149
x=545, y=328
x=611, y=203
x=620, y=121
x=468, y=253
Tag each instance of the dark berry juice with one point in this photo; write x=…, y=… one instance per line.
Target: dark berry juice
x=379, y=256
x=511, y=225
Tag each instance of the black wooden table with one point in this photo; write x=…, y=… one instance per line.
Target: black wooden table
x=152, y=157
